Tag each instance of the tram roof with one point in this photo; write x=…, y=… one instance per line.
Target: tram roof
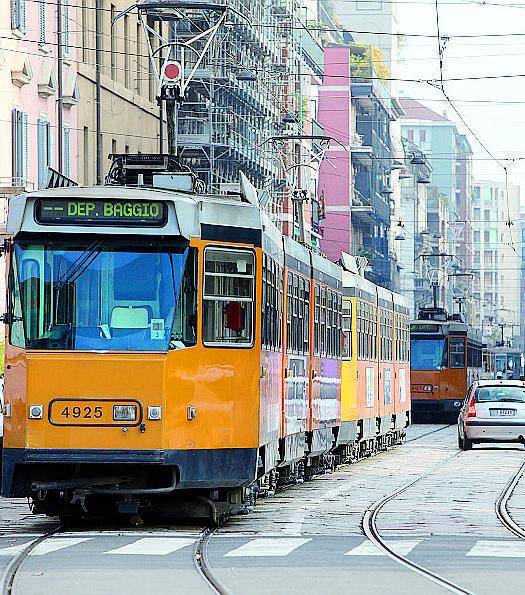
x=189, y=215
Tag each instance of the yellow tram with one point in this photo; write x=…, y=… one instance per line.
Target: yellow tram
x=162, y=344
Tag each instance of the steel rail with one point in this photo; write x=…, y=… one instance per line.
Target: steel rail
x=428, y=433
x=202, y=563
x=501, y=504
x=370, y=529
x=9, y=574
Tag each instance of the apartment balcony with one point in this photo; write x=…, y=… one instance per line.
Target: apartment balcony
x=311, y=50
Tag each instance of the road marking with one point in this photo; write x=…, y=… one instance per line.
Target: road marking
x=277, y=546
x=498, y=549
x=403, y=547
x=153, y=546
x=55, y=544
x=13, y=550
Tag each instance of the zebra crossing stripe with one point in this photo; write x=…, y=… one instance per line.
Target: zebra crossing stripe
x=267, y=547
x=403, y=547
x=57, y=543
x=153, y=546
x=497, y=549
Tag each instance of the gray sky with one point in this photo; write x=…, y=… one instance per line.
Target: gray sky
x=484, y=103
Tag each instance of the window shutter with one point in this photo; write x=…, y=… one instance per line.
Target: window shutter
x=42, y=153
x=22, y=5
x=14, y=145
x=65, y=28
x=49, y=137
x=15, y=11
x=25, y=145
x=67, y=151
x=42, y=22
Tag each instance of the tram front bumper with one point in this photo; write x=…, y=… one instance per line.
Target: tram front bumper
x=436, y=405
x=195, y=469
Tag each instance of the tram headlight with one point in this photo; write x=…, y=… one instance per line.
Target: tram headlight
x=154, y=412
x=428, y=388
x=124, y=412
x=36, y=411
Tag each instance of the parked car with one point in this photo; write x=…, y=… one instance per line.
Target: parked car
x=493, y=411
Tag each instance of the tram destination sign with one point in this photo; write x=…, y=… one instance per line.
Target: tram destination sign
x=115, y=212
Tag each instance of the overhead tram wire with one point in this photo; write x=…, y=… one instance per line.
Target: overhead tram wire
x=441, y=50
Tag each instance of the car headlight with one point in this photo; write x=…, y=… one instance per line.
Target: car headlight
x=124, y=412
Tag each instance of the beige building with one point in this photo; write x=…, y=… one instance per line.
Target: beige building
x=496, y=259
x=129, y=119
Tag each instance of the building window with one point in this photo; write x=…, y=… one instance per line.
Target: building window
x=67, y=151
x=65, y=29
x=85, y=30
x=113, y=146
x=487, y=214
x=44, y=150
x=20, y=148
x=477, y=237
x=486, y=236
x=422, y=136
x=138, y=71
x=127, y=77
x=410, y=135
x=228, y=296
x=18, y=15
x=41, y=22
x=86, y=155
x=113, y=43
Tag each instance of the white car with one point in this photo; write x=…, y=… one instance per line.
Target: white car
x=493, y=411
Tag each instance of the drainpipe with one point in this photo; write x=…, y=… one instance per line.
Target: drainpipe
x=98, y=58
x=60, y=114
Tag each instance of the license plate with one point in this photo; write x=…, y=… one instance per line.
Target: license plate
x=419, y=388
x=502, y=412
x=89, y=412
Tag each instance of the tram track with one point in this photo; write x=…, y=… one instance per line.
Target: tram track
x=428, y=433
x=9, y=574
x=202, y=563
x=502, y=511
x=369, y=525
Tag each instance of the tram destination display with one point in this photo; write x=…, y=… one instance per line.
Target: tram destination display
x=125, y=213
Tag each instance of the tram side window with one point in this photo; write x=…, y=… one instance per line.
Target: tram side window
x=16, y=329
x=457, y=352
x=317, y=317
x=271, y=305
x=228, y=297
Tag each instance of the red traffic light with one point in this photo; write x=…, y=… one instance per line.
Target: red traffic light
x=171, y=72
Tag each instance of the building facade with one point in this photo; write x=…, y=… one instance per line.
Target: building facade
x=38, y=122
x=449, y=200
x=411, y=232
x=356, y=177
x=497, y=260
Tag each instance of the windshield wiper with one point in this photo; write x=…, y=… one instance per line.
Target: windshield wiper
x=80, y=264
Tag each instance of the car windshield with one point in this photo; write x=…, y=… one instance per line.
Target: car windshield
x=428, y=354
x=102, y=297
x=506, y=394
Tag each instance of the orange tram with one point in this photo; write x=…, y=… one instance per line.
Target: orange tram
x=445, y=358
x=172, y=351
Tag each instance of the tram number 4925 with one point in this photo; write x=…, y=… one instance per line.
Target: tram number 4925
x=86, y=412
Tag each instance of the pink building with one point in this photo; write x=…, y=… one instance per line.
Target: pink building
x=30, y=129
x=335, y=176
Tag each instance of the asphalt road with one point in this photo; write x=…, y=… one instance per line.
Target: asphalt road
x=308, y=538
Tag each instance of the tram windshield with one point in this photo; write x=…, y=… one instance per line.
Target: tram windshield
x=428, y=354
x=102, y=297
